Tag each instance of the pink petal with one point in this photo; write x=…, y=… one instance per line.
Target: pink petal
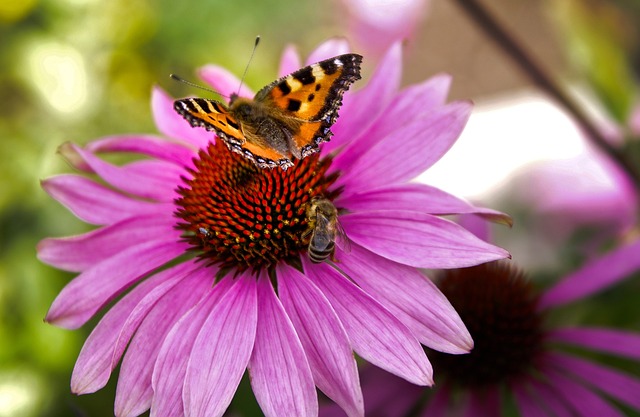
x=151, y=179
x=94, y=203
x=616, y=384
x=221, y=351
x=290, y=61
x=278, y=368
x=408, y=151
x=387, y=395
x=173, y=125
x=410, y=105
x=223, y=81
x=171, y=366
x=375, y=24
x=362, y=107
x=90, y=291
x=328, y=49
x=595, y=276
x=527, y=405
x=584, y=401
x=77, y=253
x=375, y=334
x=148, y=145
x=547, y=397
x=440, y=404
x=478, y=225
x=106, y=343
x=324, y=340
x=416, y=197
x=134, y=393
x=621, y=343
x=418, y=239
x=485, y=403
x=411, y=297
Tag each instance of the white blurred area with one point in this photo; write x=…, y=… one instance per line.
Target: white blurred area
x=522, y=152
x=504, y=137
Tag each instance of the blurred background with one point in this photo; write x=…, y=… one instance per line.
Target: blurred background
x=75, y=70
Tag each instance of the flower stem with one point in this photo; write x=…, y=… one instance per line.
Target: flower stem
x=525, y=62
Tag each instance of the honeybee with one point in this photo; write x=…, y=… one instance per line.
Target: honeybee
x=322, y=217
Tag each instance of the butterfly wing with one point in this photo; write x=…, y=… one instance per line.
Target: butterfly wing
x=215, y=116
x=313, y=96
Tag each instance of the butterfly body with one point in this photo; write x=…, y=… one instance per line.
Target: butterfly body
x=287, y=119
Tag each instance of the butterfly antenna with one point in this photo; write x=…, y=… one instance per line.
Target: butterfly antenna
x=182, y=80
x=255, y=46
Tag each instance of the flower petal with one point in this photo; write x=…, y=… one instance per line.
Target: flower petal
x=418, y=239
x=595, y=276
x=485, y=403
x=411, y=297
x=94, y=203
x=289, y=62
x=375, y=334
x=410, y=105
x=439, y=404
x=171, y=365
x=361, y=108
x=223, y=81
x=408, y=151
x=584, y=401
x=626, y=344
x=550, y=400
x=328, y=49
x=388, y=395
x=134, y=392
x=278, y=368
x=90, y=291
x=153, y=179
x=106, y=343
x=148, y=145
x=527, y=405
x=617, y=384
x=77, y=253
x=324, y=340
x=416, y=197
x=171, y=124
x=221, y=351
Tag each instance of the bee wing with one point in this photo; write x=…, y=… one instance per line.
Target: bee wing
x=342, y=240
x=322, y=236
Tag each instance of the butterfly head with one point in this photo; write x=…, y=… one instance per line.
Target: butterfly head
x=233, y=97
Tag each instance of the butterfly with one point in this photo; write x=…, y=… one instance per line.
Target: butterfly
x=287, y=119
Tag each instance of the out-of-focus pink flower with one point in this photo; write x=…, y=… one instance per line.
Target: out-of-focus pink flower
x=187, y=329
x=634, y=121
x=585, y=191
x=518, y=358
x=377, y=24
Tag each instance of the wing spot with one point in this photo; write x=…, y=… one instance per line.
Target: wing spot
x=330, y=67
x=318, y=87
x=305, y=76
x=294, y=105
x=284, y=87
x=233, y=124
x=311, y=97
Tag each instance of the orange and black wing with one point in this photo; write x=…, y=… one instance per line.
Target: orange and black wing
x=212, y=115
x=313, y=95
x=215, y=116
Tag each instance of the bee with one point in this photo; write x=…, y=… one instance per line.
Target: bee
x=324, y=228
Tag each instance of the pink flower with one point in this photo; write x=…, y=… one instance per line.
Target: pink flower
x=190, y=326
x=517, y=358
x=377, y=24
